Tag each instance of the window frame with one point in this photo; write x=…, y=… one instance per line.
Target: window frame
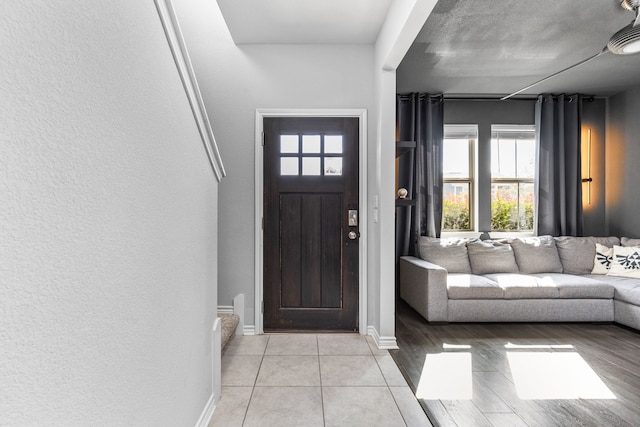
x=469, y=132
x=506, y=129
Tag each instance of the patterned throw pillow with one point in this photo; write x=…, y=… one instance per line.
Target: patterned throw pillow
x=625, y=262
x=602, y=263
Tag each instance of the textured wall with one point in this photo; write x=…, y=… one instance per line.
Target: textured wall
x=622, y=172
x=107, y=221
x=235, y=81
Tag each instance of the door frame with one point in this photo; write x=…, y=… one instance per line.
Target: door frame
x=261, y=114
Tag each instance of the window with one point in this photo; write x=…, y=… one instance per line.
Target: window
x=311, y=155
x=458, y=183
x=513, y=151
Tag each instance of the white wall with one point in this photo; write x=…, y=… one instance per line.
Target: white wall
x=235, y=81
x=107, y=222
x=622, y=171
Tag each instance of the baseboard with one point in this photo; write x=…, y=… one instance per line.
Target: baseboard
x=207, y=413
x=383, y=343
x=249, y=330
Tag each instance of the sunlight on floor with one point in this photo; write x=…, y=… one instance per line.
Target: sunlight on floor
x=446, y=376
x=536, y=346
x=555, y=375
x=537, y=375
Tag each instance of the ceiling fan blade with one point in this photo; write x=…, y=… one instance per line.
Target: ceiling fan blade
x=602, y=52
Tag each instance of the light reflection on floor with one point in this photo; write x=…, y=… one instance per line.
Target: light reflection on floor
x=555, y=375
x=537, y=375
x=446, y=376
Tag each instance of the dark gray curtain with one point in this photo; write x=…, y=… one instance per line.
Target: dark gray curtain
x=419, y=117
x=558, y=180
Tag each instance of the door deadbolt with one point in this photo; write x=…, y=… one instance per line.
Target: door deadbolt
x=353, y=217
x=353, y=235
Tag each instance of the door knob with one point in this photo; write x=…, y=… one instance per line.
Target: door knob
x=352, y=235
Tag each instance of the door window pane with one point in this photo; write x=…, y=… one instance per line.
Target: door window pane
x=311, y=143
x=288, y=143
x=289, y=166
x=333, y=144
x=333, y=165
x=311, y=166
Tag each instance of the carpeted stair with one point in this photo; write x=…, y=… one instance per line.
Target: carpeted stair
x=229, y=325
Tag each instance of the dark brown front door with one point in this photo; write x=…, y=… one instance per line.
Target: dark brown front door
x=310, y=248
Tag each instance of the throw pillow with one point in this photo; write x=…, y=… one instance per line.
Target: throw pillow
x=626, y=241
x=491, y=257
x=536, y=255
x=450, y=254
x=625, y=262
x=602, y=261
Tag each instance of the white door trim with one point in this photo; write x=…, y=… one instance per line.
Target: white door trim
x=261, y=114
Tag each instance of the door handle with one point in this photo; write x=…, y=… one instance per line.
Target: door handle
x=353, y=235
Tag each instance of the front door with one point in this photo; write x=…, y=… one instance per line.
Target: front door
x=311, y=224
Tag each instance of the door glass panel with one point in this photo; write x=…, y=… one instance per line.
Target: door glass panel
x=333, y=165
x=288, y=143
x=311, y=166
x=310, y=144
x=289, y=166
x=333, y=144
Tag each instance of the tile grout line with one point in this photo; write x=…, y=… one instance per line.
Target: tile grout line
x=324, y=418
x=255, y=381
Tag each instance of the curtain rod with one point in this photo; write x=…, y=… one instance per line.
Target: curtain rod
x=459, y=98
x=589, y=98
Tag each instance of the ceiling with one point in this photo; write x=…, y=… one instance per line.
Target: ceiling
x=466, y=47
x=489, y=47
x=304, y=21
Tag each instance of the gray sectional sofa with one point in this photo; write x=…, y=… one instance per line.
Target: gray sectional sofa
x=539, y=279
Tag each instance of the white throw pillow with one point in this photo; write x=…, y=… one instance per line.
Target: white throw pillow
x=602, y=262
x=625, y=262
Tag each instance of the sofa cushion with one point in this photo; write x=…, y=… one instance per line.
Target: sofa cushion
x=626, y=241
x=625, y=262
x=451, y=254
x=625, y=289
x=536, y=255
x=491, y=257
x=573, y=286
x=577, y=253
x=602, y=260
x=472, y=286
x=552, y=285
x=524, y=286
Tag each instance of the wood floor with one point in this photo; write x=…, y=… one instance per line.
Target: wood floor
x=575, y=374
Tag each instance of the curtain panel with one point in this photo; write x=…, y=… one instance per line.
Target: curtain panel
x=420, y=118
x=558, y=187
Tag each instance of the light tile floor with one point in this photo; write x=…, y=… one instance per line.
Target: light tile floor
x=309, y=380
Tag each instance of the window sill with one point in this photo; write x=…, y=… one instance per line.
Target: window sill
x=492, y=234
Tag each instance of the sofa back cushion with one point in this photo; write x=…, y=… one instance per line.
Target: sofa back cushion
x=450, y=254
x=626, y=241
x=536, y=255
x=577, y=253
x=491, y=257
